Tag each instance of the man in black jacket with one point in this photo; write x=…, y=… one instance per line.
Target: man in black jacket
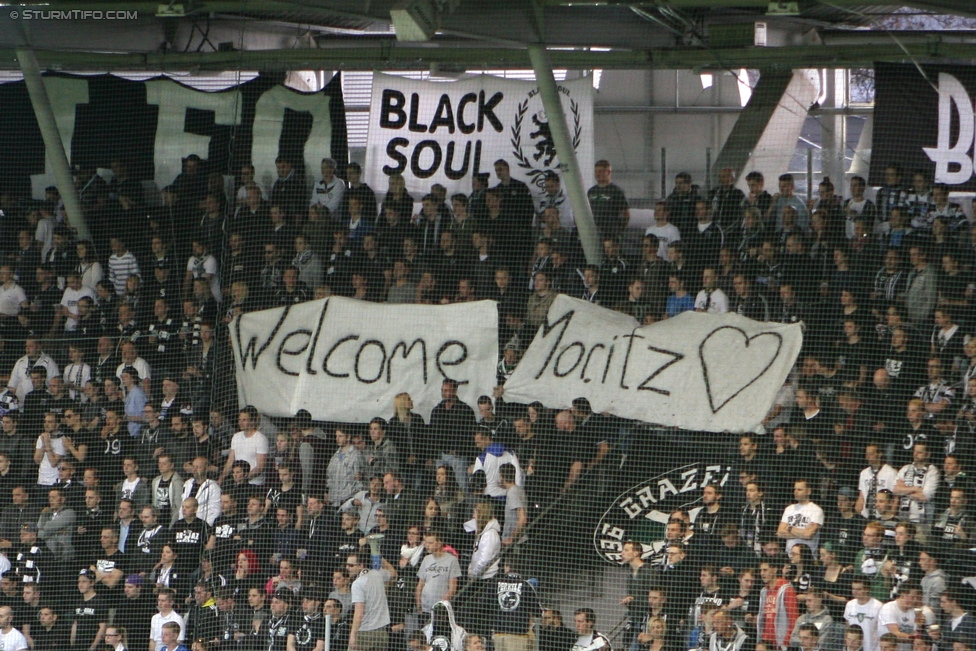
x=452, y=424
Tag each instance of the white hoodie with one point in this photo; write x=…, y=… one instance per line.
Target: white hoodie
x=484, y=561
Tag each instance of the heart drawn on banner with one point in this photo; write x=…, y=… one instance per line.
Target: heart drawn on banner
x=732, y=361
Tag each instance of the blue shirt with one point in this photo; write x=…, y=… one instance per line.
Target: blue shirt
x=678, y=305
x=135, y=402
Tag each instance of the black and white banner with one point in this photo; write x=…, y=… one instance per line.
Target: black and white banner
x=641, y=513
x=712, y=372
x=924, y=120
x=345, y=360
x=155, y=124
x=445, y=132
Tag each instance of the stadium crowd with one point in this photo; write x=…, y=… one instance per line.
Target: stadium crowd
x=142, y=508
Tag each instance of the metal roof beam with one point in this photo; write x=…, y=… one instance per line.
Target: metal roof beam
x=390, y=56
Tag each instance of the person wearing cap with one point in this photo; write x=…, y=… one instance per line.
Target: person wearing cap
x=90, y=615
x=136, y=610
x=309, y=635
x=329, y=192
x=279, y=624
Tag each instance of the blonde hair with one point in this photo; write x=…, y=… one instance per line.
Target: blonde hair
x=400, y=405
x=484, y=512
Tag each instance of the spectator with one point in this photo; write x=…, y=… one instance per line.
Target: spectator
x=778, y=610
x=248, y=445
x=802, y=521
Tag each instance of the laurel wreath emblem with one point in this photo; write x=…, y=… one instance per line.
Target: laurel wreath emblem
x=538, y=175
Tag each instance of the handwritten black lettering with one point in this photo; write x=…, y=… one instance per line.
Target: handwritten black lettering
x=630, y=345
x=579, y=358
x=283, y=350
x=249, y=352
x=589, y=355
x=441, y=363
x=380, y=366
x=746, y=343
x=405, y=353
x=335, y=346
x=549, y=327
x=606, y=368
x=315, y=340
x=676, y=357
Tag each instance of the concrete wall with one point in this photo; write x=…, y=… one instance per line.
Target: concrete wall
x=633, y=123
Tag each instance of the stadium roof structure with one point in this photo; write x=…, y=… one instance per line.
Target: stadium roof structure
x=270, y=35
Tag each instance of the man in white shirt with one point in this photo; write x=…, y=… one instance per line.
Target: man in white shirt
x=863, y=611
x=20, y=381
x=130, y=358
x=248, y=445
x=711, y=298
x=48, y=451
x=877, y=476
x=205, y=490
x=165, y=600
x=11, y=294
x=916, y=485
x=491, y=457
x=801, y=522
x=665, y=231
x=328, y=192
x=202, y=264
x=899, y=617
x=69, y=299
x=10, y=638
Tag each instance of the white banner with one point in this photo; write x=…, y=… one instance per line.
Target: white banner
x=345, y=360
x=695, y=371
x=444, y=132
